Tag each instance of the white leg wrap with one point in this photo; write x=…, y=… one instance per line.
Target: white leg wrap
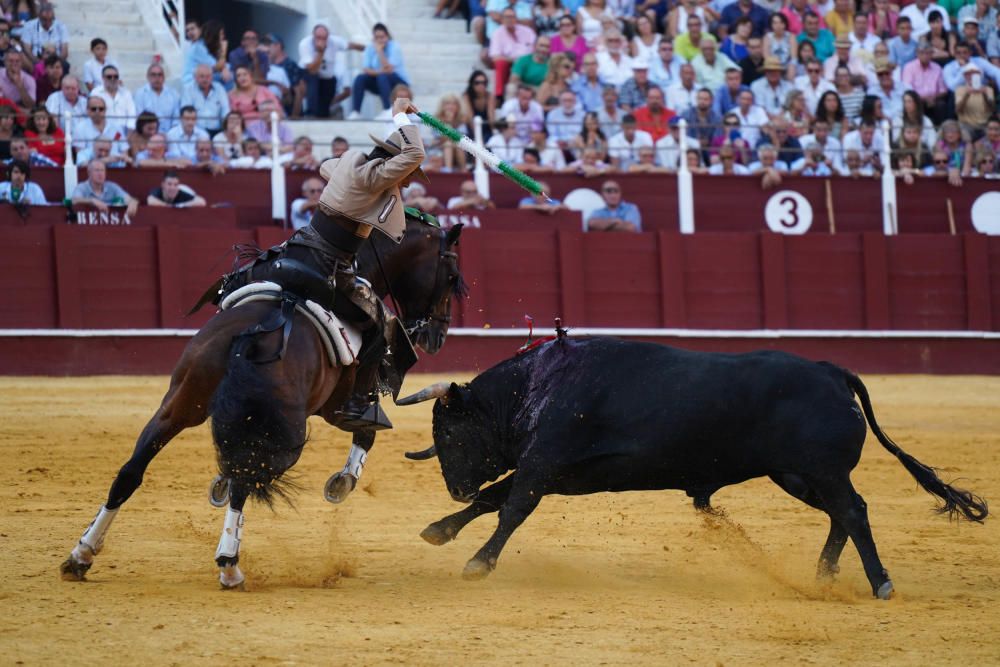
x=356, y=461
x=232, y=532
x=93, y=538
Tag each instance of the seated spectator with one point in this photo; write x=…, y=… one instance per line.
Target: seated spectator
x=67, y=99
x=550, y=156
x=727, y=165
x=415, y=195
x=682, y=94
x=588, y=165
x=469, y=199
x=528, y=114
x=903, y=47
x=623, y=148
x=910, y=142
x=450, y=113
x=614, y=67
x=840, y=19
x=505, y=142
x=382, y=69
x=182, y=137
x=302, y=155
x=777, y=135
x=734, y=46
x=156, y=98
x=694, y=162
x=610, y=114
x=45, y=137
x=19, y=150
x=710, y=66
x=253, y=157
x=292, y=85
x=45, y=30
x=740, y=13
x=771, y=91
x=249, y=98
x=752, y=117
x=260, y=129
x=478, y=101
x=229, y=143
x=303, y=207
x=8, y=130
x=732, y=136
x=559, y=78
x=856, y=168
x=208, y=98
x=591, y=18
x=591, y=136
x=984, y=164
x=205, y=158
x=767, y=160
x=616, y=215
x=888, y=90
x=851, y=97
x=703, y=122
x=665, y=68
x=508, y=43
x=906, y=169
x=157, y=155
x=813, y=163
x=822, y=137
x=541, y=203
x=647, y=163
x=249, y=55
x=18, y=188
x=93, y=69
x=654, y=116
x=863, y=42
x=843, y=57
x=813, y=85
x=564, y=122
x=50, y=78
x=727, y=96
x=171, y=193
x=867, y=143
x=668, y=149
x=209, y=50
x=20, y=86
x=338, y=147
x=974, y=102
x=688, y=44
x=634, y=91
x=753, y=64
x=926, y=79
x=531, y=162
x=146, y=125
x=121, y=106
x=796, y=113
x=568, y=40
x=533, y=68
x=822, y=40
x=101, y=193
x=102, y=150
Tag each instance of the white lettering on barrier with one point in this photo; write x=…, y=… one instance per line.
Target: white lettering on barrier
x=986, y=213
x=788, y=212
x=449, y=220
x=111, y=218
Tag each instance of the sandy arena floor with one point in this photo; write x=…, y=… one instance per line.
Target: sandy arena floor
x=634, y=578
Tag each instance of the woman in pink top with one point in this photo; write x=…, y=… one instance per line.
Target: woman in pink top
x=567, y=39
x=247, y=97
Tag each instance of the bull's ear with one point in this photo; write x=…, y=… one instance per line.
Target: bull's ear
x=456, y=396
x=453, y=234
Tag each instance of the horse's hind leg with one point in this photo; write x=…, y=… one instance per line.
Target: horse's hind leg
x=227, y=554
x=797, y=487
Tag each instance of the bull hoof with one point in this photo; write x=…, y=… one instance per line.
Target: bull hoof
x=884, y=591
x=219, y=491
x=477, y=569
x=437, y=535
x=827, y=572
x=73, y=570
x=339, y=486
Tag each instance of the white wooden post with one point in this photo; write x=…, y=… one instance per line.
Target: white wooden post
x=890, y=206
x=685, y=185
x=277, y=175
x=480, y=174
x=69, y=167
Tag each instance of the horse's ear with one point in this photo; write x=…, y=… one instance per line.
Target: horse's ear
x=453, y=234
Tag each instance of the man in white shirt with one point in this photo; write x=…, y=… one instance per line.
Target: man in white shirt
x=614, y=67
x=158, y=98
x=183, y=136
x=665, y=70
x=208, y=98
x=831, y=146
x=96, y=124
x=752, y=117
x=623, y=148
x=318, y=56
x=505, y=142
x=918, y=13
x=772, y=89
x=67, y=98
x=868, y=143
x=44, y=30
x=861, y=40
x=682, y=94
x=304, y=207
x=888, y=90
x=528, y=114
x=610, y=115
x=813, y=85
x=565, y=121
x=710, y=66
x=121, y=106
x=668, y=150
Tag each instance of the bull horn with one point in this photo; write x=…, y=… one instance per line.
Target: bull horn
x=428, y=453
x=437, y=390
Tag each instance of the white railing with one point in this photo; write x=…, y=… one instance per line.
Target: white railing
x=172, y=12
x=364, y=14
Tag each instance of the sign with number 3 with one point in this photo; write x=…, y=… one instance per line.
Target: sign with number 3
x=788, y=212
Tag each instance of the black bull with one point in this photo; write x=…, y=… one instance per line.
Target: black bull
x=579, y=416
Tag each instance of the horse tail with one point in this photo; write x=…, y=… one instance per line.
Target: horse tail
x=253, y=437
x=956, y=502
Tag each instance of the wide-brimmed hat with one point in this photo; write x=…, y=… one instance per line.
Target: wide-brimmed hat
x=392, y=145
x=772, y=64
x=842, y=43
x=883, y=65
x=971, y=67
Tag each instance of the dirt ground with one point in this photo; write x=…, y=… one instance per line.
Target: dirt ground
x=635, y=578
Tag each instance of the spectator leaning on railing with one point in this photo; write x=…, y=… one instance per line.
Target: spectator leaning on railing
x=616, y=215
x=18, y=188
x=171, y=193
x=99, y=192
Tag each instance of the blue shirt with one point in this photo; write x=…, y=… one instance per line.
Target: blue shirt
x=624, y=211
x=166, y=105
x=183, y=145
x=953, y=77
x=393, y=54
x=724, y=101
x=758, y=16
x=31, y=194
x=212, y=108
x=823, y=43
x=901, y=52
x=112, y=193
x=197, y=54
x=589, y=94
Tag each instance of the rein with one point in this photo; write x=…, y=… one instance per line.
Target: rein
x=443, y=253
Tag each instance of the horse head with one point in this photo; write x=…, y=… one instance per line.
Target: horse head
x=420, y=274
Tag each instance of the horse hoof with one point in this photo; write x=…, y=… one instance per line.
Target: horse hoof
x=73, y=570
x=476, y=569
x=884, y=591
x=339, y=486
x=231, y=578
x=436, y=535
x=218, y=491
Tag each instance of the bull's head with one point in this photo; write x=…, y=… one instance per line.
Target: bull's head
x=462, y=440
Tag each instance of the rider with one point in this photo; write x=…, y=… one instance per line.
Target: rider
x=362, y=193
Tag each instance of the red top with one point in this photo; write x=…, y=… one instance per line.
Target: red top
x=655, y=124
x=52, y=147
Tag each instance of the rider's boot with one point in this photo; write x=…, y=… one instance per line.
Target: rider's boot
x=362, y=411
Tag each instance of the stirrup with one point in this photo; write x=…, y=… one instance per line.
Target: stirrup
x=372, y=419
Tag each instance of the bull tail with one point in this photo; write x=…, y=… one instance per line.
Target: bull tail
x=956, y=502
x=250, y=431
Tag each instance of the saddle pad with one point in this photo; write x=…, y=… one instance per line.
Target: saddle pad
x=341, y=340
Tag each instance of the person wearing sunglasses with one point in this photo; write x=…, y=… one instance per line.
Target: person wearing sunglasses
x=121, y=105
x=97, y=124
x=616, y=215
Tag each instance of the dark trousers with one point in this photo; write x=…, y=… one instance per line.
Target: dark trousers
x=319, y=94
x=381, y=84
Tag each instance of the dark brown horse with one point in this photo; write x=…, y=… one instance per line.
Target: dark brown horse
x=259, y=410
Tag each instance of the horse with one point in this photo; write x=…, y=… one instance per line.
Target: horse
x=259, y=398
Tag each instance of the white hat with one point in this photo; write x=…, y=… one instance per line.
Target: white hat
x=971, y=67
x=640, y=63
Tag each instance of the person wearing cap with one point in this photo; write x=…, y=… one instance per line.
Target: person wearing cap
x=984, y=13
x=843, y=57
x=632, y=94
x=887, y=90
x=710, y=66
x=974, y=102
x=45, y=30
x=770, y=92
x=969, y=33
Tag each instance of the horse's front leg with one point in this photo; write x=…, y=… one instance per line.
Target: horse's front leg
x=342, y=483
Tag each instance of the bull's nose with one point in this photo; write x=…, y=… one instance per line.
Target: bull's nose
x=459, y=496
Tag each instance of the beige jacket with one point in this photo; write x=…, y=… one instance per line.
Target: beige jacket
x=368, y=191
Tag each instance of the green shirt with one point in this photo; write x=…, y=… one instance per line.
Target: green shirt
x=952, y=7
x=530, y=71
